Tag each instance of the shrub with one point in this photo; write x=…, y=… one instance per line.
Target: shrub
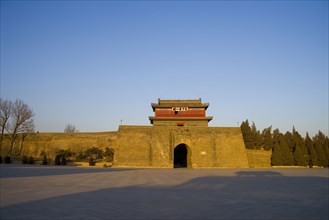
x=44, y=160
x=92, y=162
x=109, y=154
x=58, y=160
x=66, y=153
x=81, y=156
x=63, y=160
x=7, y=159
x=24, y=160
x=30, y=160
x=94, y=152
x=0, y=159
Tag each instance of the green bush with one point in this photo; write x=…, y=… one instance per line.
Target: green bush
x=66, y=153
x=109, y=154
x=63, y=160
x=44, y=160
x=7, y=159
x=58, y=160
x=24, y=160
x=30, y=160
x=92, y=162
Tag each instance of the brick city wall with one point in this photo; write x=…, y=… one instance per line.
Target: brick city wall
x=153, y=146
x=259, y=158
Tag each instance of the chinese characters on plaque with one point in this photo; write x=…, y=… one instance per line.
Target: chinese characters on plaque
x=179, y=109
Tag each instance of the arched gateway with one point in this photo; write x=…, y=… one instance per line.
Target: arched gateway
x=181, y=156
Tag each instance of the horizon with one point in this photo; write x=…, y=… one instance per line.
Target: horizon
x=101, y=64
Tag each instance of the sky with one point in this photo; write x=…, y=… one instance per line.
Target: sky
x=99, y=64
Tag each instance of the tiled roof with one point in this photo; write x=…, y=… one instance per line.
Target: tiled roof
x=179, y=103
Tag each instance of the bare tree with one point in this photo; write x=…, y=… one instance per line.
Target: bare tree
x=70, y=128
x=6, y=109
x=21, y=122
x=27, y=128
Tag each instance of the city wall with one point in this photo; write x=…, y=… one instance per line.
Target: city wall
x=153, y=146
x=259, y=158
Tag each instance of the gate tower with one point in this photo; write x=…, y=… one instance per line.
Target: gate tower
x=180, y=113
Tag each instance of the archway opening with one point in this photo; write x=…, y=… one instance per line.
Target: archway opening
x=180, y=156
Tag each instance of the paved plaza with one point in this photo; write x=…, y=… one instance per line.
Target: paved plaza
x=53, y=192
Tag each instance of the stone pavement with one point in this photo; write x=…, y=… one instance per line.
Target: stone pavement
x=49, y=192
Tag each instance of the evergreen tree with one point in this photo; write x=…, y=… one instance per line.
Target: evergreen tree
x=321, y=148
x=256, y=137
x=286, y=153
x=267, y=141
x=326, y=150
x=276, y=159
x=290, y=148
x=310, y=147
x=276, y=155
x=247, y=135
x=290, y=141
x=301, y=156
x=282, y=155
x=298, y=156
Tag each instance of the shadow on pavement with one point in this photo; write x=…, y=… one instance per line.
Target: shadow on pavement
x=248, y=195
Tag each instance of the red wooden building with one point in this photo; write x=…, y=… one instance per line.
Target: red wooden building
x=180, y=113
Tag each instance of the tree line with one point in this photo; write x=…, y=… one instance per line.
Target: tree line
x=290, y=148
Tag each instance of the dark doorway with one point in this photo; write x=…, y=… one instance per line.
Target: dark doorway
x=180, y=156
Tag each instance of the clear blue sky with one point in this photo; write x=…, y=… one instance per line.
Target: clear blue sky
x=93, y=64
